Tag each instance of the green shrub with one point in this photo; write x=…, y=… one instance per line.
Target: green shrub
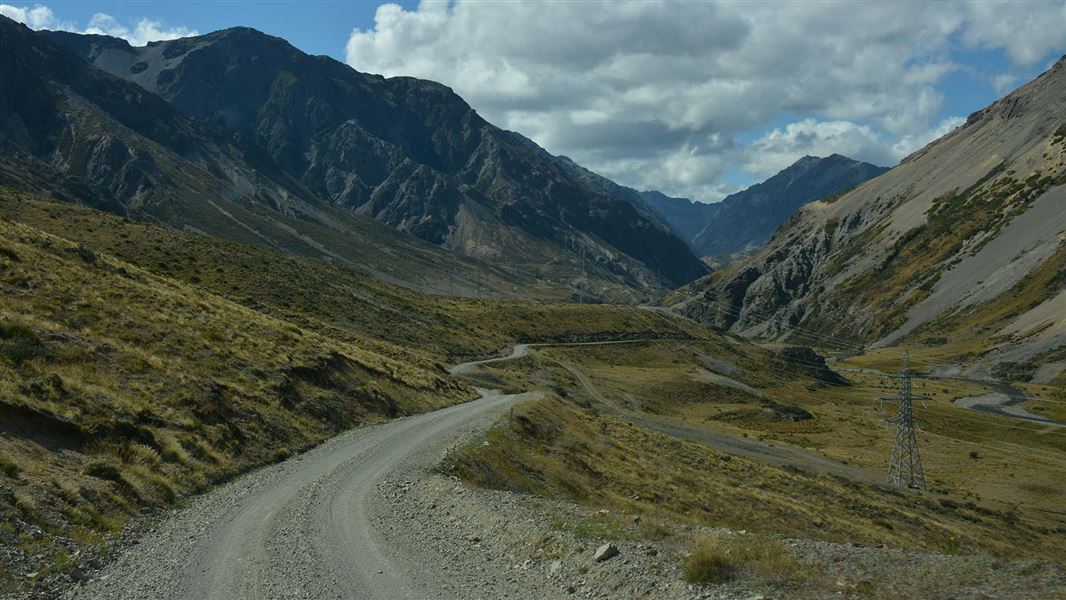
x=1013, y=371
x=19, y=343
x=9, y=468
x=86, y=254
x=706, y=565
x=102, y=470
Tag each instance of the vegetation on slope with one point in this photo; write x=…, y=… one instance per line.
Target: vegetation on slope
x=926, y=253
x=335, y=299
x=956, y=224
x=120, y=389
x=598, y=448
x=139, y=363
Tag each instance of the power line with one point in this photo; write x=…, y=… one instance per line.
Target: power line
x=905, y=465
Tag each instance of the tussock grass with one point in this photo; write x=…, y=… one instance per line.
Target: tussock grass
x=336, y=301
x=124, y=389
x=139, y=364
x=707, y=565
x=720, y=558
x=556, y=448
x=9, y=467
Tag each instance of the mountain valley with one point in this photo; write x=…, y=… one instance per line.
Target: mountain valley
x=275, y=327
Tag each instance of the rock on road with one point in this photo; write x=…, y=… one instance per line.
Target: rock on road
x=304, y=528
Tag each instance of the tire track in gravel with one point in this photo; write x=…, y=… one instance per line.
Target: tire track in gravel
x=314, y=526
x=299, y=529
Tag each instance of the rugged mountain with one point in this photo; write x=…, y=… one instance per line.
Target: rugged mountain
x=409, y=153
x=75, y=132
x=687, y=218
x=746, y=219
x=961, y=247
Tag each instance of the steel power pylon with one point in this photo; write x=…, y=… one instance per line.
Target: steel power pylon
x=905, y=466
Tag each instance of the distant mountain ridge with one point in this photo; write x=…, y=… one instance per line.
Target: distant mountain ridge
x=961, y=247
x=407, y=152
x=746, y=219
x=687, y=218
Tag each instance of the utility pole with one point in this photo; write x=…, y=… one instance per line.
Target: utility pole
x=905, y=466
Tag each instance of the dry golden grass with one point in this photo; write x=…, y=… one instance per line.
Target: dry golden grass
x=720, y=557
x=334, y=300
x=120, y=388
x=992, y=504
x=139, y=363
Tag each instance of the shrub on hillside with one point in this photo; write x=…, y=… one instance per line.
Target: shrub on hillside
x=705, y=565
x=721, y=558
x=19, y=343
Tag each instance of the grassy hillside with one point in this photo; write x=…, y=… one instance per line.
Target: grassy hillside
x=599, y=439
x=336, y=299
x=120, y=388
x=139, y=363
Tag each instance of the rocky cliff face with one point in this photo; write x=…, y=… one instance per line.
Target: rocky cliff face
x=961, y=245
x=72, y=131
x=409, y=153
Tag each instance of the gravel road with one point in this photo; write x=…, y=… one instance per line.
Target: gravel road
x=774, y=454
x=299, y=529
x=366, y=515
x=1004, y=401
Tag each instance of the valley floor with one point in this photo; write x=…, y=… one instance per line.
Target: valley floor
x=368, y=515
x=374, y=513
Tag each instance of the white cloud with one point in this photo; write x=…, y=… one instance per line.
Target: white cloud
x=1004, y=82
x=36, y=17
x=1027, y=32
x=909, y=143
x=142, y=32
x=654, y=94
x=779, y=148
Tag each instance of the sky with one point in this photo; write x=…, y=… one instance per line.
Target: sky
x=695, y=99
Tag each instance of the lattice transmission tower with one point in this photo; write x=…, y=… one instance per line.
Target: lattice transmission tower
x=905, y=466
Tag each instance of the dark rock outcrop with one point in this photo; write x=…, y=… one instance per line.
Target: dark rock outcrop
x=407, y=152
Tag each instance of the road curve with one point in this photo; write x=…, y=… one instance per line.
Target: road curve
x=521, y=350
x=775, y=454
x=299, y=529
x=309, y=527
x=1003, y=401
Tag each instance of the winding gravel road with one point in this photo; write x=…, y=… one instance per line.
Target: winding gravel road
x=327, y=523
x=303, y=528
x=1005, y=401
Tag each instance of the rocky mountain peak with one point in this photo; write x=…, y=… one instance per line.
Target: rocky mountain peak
x=409, y=153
